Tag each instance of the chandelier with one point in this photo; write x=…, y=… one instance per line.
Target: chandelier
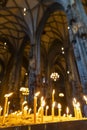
x=24, y=90
x=54, y=76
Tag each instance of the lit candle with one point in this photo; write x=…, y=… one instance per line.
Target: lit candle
x=79, y=114
x=47, y=107
x=25, y=110
x=35, y=108
x=59, y=110
x=42, y=110
x=25, y=102
x=74, y=105
x=67, y=111
x=39, y=110
x=35, y=105
x=29, y=111
x=53, y=96
x=85, y=98
x=53, y=105
x=8, y=107
x=5, y=105
x=0, y=110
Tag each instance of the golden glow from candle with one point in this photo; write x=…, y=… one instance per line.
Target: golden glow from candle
x=43, y=103
x=8, y=95
x=53, y=105
x=29, y=111
x=39, y=117
x=85, y=98
x=26, y=108
x=25, y=102
x=59, y=110
x=37, y=94
x=59, y=106
x=39, y=111
x=8, y=107
x=74, y=100
x=1, y=110
x=79, y=114
x=42, y=108
x=74, y=105
x=35, y=108
x=53, y=91
x=47, y=107
x=78, y=104
x=67, y=110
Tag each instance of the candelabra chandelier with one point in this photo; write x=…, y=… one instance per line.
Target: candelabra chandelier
x=54, y=76
x=24, y=90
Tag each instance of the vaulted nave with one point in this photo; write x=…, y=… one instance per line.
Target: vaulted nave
x=43, y=47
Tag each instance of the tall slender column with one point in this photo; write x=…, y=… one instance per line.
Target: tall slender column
x=80, y=61
x=81, y=11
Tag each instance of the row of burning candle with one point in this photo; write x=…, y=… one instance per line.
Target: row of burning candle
x=76, y=105
x=42, y=105
x=77, y=109
x=26, y=110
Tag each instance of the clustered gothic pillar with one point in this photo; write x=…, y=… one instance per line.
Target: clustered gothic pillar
x=32, y=72
x=76, y=24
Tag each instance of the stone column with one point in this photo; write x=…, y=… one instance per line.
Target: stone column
x=81, y=11
x=81, y=63
x=32, y=72
x=76, y=23
x=74, y=75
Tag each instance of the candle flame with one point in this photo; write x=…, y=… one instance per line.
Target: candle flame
x=78, y=104
x=53, y=105
x=67, y=110
x=59, y=106
x=47, y=107
x=74, y=100
x=29, y=110
x=85, y=98
x=42, y=98
x=8, y=95
x=36, y=94
x=1, y=108
x=43, y=103
x=26, y=108
x=25, y=102
x=8, y=102
x=53, y=91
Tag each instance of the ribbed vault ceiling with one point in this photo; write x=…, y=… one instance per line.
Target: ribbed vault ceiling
x=54, y=41
x=19, y=18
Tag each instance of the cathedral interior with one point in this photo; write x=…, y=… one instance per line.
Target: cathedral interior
x=38, y=38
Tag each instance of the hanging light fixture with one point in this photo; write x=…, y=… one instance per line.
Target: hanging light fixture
x=24, y=90
x=54, y=76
